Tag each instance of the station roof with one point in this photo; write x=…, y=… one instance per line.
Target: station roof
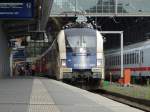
x=135, y=29
x=105, y=10
x=101, y=7
x=129, y=16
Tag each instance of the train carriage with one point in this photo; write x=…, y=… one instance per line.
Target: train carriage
x=136, y=58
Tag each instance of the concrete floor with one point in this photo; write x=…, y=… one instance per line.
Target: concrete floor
x=46, y=95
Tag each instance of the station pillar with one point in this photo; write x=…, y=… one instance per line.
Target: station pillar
x=4, y=54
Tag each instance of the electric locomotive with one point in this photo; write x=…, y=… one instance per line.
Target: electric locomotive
x=77, y=55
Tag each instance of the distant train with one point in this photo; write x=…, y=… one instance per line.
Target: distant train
x=76, y=55
x=136, y=58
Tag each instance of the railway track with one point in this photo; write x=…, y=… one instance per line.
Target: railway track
x=133, y=102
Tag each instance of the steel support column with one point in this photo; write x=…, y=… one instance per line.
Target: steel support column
x=46, y=9
x=121, y=46
x=116, y=7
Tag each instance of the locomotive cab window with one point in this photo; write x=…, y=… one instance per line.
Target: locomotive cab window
x=82, y=42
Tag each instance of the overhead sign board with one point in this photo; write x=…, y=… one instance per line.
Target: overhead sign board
x=16, y=9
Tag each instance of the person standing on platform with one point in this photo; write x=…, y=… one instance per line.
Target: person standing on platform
x=27, y=69
x=33, y=69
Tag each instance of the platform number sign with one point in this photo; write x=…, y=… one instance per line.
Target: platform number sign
x=28, y=5
x=22, y=9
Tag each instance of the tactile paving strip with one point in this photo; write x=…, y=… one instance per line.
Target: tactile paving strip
x=40, y=100
x=43, y=108
x=39, y=94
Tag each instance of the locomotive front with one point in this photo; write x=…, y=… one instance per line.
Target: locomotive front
x=80, y=48
x=81, y=54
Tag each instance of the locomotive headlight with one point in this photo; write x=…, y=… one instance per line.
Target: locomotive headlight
x=99, y=62
x=63, y=63
x=82, y=50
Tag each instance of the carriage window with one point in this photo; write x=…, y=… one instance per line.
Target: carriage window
x=142, y=55
x=113, y=60
x=130, y=58
x=116, y=60
x=109, y=60
x=125, y=58
x=137, y=58
x=106, y=61
x=133, y=58
x=119, y=60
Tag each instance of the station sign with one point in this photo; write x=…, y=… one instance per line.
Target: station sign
x=16, y=9
x=19, y=54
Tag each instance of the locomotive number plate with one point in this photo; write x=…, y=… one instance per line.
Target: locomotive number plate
x=67, y=69
x=96, y=69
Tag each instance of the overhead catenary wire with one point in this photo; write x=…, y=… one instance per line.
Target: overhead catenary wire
x=49, y=49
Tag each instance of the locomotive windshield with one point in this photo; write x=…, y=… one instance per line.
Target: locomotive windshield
x=83, y=39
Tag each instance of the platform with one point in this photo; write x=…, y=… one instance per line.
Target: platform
x=46, y=95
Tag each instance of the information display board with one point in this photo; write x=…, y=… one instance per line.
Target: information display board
x=19, y=54
x=16, y=9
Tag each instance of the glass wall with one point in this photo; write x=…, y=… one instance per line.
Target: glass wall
x=36, y=48
x=62, y=7
x=100, y=7
x=136, y=7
